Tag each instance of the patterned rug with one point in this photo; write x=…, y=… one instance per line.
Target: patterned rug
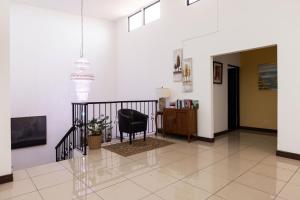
x=137, y=146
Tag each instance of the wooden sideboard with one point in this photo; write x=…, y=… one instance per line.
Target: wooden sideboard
x=180, y=122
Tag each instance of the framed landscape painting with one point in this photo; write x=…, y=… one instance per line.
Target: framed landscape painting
x=267, y=79
x=177, y=64
x=187, y=75
x=218, y=73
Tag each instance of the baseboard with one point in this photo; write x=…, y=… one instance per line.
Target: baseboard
x=204, y=139
x=289, y=155
x=6, y=178
x=221, y=133
x=264, y=130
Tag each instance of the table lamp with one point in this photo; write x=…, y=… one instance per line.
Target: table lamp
x=163, y=94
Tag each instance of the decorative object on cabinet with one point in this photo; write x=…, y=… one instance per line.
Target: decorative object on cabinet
x=163, y=94
x=218, y=73
x=187, y=75
x=187, y=103
x=180, y=122
x=177, y=74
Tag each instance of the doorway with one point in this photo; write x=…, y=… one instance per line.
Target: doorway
x=245, y=91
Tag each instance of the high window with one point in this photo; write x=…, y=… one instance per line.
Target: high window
x=189, y=2
x=135, y=21
x=144, y=16
x=152, y=12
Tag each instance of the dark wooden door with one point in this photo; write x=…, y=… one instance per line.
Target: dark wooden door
x=233, y=97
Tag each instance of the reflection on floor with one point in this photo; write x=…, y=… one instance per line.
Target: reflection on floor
x=238, y=166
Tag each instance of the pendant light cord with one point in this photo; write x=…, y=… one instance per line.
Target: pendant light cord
x=82, y=31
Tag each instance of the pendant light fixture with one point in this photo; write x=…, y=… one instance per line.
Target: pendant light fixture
x=82, y=77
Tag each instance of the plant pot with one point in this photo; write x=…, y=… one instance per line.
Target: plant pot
x=94, y=142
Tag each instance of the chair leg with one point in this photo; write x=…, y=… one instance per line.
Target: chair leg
x=121, y=134
x=144, y=136
x=134, y=136
x=130, y=138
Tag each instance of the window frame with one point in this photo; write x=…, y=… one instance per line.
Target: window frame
x=188, y=2
x=144, y=11
x=128, y=19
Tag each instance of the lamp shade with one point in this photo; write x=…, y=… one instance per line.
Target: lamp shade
x=82, y=78
x=163, y=92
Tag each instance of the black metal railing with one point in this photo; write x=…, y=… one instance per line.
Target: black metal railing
x=76, y=137
x=64, y=149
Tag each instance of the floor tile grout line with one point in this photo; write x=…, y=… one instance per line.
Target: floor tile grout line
x=270, y=165
x=155, y=192
x=26, y=193
x=234, y=180
x=278, y=195
x=36, y=187
x=46, y=173
x=181, y=179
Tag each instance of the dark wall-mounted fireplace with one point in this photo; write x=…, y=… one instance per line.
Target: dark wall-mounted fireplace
x=28, y=131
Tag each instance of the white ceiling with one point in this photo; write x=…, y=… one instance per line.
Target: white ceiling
x=105, y=9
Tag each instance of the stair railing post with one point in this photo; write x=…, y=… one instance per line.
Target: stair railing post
x=73, y=124
x=86, y=115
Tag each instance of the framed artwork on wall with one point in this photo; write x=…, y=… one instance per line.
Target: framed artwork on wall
x=267, y=79
x=177, y=64
x=218, y=73
x=187, y=82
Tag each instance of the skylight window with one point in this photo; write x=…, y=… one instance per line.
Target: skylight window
x=145, y=16
x=135, y=21
x=189, y=2
x=152, y=13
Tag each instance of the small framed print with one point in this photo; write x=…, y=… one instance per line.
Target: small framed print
x=187, y=75
x=177, y=74
x=218, y=73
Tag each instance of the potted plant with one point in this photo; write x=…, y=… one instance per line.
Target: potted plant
x=96, y=128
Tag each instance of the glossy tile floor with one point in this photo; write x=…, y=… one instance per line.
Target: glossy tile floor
x=239, y=166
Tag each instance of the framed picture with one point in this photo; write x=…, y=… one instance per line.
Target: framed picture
x=177, y=65
x=218, y=73
x=267, y=79
x=187, y=71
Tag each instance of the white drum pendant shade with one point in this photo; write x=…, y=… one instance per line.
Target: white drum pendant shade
x=82, y=78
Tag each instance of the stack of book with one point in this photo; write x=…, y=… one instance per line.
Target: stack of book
x=187, y=104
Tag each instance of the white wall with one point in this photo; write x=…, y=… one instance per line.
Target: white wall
x=220, y=93
x=145, y=56
x=238, y=25
x=5, y=152
x=44, y=45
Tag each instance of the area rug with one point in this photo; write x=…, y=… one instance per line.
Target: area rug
x=137, y=146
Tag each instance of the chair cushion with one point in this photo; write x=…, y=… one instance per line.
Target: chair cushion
x=138, y=126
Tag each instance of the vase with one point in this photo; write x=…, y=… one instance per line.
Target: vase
x=94, y=141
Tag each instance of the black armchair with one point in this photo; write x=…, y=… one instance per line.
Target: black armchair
x=132, y=122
